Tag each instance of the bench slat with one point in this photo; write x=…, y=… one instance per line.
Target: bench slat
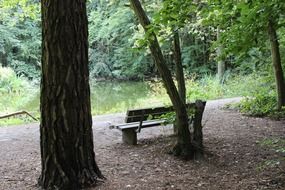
x=135, y=125
x=130, y=119
x=134, y=115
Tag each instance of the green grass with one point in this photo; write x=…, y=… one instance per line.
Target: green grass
x=257, y=89
x=209, y=88
x=15, y=95
x=15, y=121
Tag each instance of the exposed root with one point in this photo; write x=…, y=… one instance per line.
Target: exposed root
x=187, y=152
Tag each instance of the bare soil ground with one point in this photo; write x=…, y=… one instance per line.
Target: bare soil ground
x=233, y=155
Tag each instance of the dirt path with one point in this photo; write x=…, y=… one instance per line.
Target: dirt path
x=231, y=141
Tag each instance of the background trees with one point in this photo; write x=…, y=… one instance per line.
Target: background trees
x=252, y=24
x=118, y=49
x=20, y=37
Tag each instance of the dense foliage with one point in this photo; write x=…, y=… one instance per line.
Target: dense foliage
x=118, y=49
x=20, y=37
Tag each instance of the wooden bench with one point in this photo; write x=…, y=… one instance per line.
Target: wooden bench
x=136, y=119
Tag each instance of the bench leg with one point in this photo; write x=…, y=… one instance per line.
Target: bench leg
x=130, y=136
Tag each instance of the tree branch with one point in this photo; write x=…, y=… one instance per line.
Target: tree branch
x=18, y=113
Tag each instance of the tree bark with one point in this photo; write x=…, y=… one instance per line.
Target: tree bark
x=66, y=138
x=183, y=147
x=277, y=66
x=197, y=125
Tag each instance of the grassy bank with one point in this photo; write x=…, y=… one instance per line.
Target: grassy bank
x=17, y=94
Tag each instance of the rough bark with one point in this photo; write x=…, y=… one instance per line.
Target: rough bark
x=183, y=147
x=66, y=138
x=276, y=61
x=221, y=62
x=197, y=125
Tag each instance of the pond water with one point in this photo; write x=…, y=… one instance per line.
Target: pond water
x=115, y=97
x=111, y=97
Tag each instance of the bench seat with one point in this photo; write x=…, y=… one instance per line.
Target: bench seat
x=135, y=125
x=129, y=130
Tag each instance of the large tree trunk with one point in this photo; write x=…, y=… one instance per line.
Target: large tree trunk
x=221, y=61
x=183, y=147
x=67, y=151
x=276, y=61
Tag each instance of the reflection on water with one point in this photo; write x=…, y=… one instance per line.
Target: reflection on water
x=112, y=97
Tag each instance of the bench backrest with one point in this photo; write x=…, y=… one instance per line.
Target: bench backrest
x=135, y=115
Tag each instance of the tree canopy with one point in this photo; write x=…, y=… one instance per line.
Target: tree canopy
x=117, y=45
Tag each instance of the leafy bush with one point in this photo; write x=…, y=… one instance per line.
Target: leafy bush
x=260, y=97
x=260, y=105
x=257, y=88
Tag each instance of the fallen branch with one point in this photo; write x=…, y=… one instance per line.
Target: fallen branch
x=18, y=113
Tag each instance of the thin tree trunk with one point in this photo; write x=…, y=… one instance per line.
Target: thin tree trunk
x=66, y=138
x=179, y=71
x=183, y=147
x=178, y=67
x=221, y=61
x=276, y=61
x=3, y=59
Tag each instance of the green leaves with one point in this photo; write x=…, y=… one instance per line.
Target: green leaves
x=20, y=37
x=115, y=51
x=20, y=8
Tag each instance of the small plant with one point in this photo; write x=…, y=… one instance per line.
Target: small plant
x=259, y=105
x=278, y=146
x=169, y=118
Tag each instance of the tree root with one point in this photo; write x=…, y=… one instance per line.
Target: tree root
x=187, y=152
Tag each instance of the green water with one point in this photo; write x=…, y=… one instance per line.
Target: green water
x=114, y=97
